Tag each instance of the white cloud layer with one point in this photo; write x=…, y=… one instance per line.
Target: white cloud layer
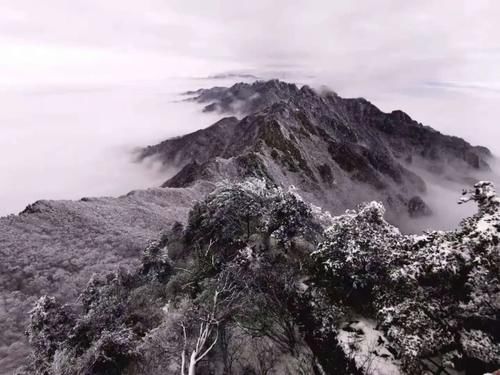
x=111, y=64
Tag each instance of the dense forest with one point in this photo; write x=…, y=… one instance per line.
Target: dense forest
x=260, y=282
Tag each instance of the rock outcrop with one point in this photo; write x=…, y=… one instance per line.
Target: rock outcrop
x=336, y=151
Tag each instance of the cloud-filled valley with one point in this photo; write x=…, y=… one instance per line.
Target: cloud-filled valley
x=102, y=76
x=120, y=171
x=66, y=143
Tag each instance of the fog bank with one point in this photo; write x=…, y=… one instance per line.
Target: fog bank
x=66, y=143
x=83, y=82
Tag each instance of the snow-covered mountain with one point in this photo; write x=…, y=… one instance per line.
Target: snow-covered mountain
x=318, y=289
x=337, y=152
x=260, y=281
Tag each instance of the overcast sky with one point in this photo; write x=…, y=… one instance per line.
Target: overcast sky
x=388, y=43
x=437, y=60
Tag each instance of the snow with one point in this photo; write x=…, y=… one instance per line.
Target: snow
x=403, y=312
x=368, y=347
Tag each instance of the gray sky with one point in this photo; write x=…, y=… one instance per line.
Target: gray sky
x=437, y=60
x=400, y=54
x=388, y=40
x=388, y=43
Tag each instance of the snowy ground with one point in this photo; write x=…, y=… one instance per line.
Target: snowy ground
x=368, y=347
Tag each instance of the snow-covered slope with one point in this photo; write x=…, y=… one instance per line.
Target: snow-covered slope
x=258, y=281
x=54, y=247
x=336, y=152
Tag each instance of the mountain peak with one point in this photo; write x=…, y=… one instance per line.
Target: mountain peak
x=337, y=151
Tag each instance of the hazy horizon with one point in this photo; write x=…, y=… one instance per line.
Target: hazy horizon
x=85, y=82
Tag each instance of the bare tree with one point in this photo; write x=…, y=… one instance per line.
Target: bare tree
x=224, y=301
x=199, y=352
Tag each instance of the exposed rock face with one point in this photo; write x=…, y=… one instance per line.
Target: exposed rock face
x=418, y=208
x=336, y=151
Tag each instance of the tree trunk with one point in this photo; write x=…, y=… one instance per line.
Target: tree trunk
x=192, y=363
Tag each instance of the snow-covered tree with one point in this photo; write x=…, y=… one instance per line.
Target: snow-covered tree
x=432, y=299
x=50, y=324
x=228, y=215
x=232, y=214
x=354, y=258
x=289, y=217
x=155, y=262
x=436, y=296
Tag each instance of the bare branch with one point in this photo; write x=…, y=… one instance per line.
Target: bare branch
x=209, y=348
x=183, y=355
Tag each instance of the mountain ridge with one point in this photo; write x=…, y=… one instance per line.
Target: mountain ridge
x=320, y=143
x=323, y=148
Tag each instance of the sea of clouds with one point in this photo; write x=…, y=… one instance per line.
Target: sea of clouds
x=84, y=83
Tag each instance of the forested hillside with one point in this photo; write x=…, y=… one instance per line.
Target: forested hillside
x=260, y=282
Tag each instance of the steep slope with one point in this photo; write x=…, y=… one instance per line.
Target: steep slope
x=54, y=247
x=351, y=119
x=260, y=282
x=336, y=151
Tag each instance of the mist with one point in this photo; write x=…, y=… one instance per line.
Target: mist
x=443, y=195
x=66, y=143
x=83, y=83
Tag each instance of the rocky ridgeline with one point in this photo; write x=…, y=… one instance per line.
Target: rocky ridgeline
x=337, y=152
